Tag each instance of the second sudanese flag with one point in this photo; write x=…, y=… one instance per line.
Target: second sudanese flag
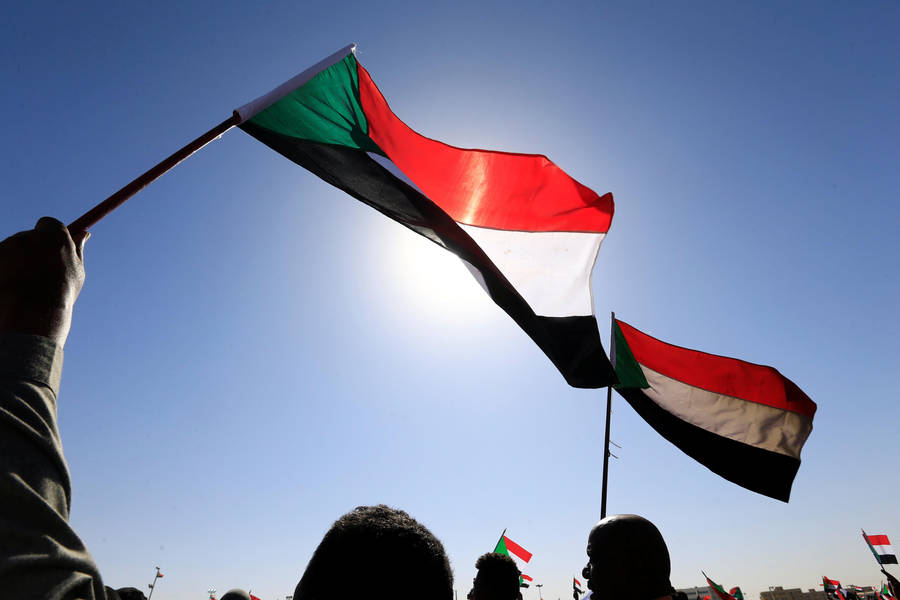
x=744, y=422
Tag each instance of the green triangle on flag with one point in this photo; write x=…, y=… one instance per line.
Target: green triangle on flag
x=627, y=368
x=500, y=548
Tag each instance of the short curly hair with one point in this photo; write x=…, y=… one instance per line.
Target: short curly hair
x=498, y=577
x=380, y=546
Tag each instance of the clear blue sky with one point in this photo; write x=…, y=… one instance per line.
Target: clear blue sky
x=254, y=352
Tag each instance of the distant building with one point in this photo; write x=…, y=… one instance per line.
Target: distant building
x=699, y=593
x=779, y=593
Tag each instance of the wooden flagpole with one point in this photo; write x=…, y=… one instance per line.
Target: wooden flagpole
x=88, y=219
x=612, y=346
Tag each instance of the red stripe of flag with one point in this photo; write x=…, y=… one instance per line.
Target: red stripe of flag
x=720, y=374
x=524, y=576
x=500, y=190
x=878, y=540
x=517, y=549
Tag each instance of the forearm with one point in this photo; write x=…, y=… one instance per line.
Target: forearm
x=40, y=555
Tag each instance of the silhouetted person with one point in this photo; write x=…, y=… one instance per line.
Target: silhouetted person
x=381, y=550
x=236, y=594
x=111, y=594
x=497, y=578
x=41, y=274
x=627, y=559
x=892, y=583
x=129, y=593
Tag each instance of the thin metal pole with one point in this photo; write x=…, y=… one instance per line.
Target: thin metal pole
x=608, y=417
x=606, y=452
x=88, y=219
x=153, y=585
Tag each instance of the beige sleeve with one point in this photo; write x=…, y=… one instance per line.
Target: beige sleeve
x=41, y=556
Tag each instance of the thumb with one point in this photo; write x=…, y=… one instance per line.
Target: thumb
x=49, y=224
x=80, y=237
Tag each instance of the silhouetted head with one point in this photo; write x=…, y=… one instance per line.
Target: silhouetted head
x=111, y=594
x=497, y=578
x=236, y=594
x=627, y=558
x=380, y=549
x=130, y=593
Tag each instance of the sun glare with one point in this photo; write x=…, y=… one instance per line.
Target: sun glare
x=434, y=282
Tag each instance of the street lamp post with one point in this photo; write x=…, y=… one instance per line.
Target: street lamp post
x=539, y=586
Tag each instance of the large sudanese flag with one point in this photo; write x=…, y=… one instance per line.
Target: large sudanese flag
x=742, y=421
x=527, y=231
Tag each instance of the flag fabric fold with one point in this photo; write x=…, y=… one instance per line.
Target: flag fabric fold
x=881, y=548
x=744, y=422
x=737, y=593
x=527, y=231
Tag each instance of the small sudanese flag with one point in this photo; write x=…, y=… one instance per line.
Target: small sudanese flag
x=881, y=547
x=507, y=546
x=718, y=589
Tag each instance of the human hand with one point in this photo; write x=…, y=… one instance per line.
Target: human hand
x=41, y=274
